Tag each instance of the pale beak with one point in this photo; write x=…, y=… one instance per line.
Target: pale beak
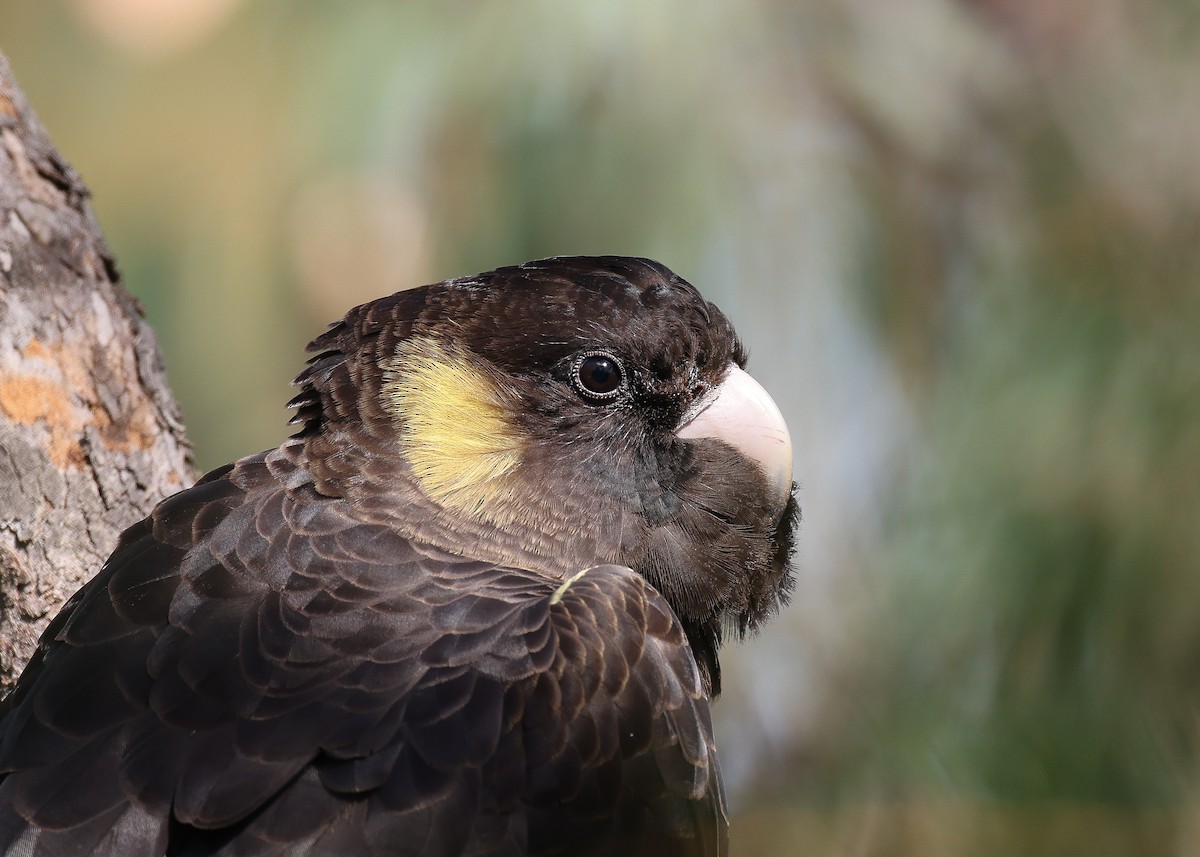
x=742, y=414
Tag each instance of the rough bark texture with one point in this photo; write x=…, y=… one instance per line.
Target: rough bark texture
x=90, y=436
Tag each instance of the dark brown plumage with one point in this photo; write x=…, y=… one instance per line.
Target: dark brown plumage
x=472, y=607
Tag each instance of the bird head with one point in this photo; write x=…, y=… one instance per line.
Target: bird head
x=560, y=414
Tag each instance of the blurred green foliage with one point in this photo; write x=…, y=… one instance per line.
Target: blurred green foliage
x=960, y=236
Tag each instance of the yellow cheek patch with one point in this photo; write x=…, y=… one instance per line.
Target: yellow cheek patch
x=454, y=424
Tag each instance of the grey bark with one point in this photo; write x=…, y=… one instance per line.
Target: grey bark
x=90, y=435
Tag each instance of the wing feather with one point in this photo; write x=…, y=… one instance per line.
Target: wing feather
x=254, y=671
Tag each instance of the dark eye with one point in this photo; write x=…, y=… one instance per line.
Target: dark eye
x=598, y=375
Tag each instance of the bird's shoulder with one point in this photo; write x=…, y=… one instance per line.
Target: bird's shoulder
x=257, y=660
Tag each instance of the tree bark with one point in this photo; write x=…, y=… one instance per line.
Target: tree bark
x=90, y=435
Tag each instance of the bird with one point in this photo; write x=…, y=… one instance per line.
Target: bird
x=472, y=606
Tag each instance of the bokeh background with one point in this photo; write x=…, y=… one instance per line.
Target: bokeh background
x=961, y=237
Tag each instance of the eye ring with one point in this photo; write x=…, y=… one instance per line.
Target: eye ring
x=598, y=375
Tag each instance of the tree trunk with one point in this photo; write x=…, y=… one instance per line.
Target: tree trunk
x=90, y=436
